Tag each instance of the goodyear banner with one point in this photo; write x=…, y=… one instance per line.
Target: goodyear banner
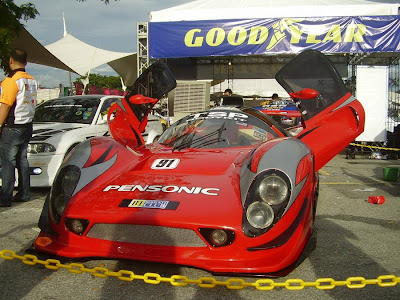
x=273, y=36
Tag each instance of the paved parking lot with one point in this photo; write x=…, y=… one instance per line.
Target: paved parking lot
x=355, y=238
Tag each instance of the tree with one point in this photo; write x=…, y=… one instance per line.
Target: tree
x=112, y=82
x=10, y=17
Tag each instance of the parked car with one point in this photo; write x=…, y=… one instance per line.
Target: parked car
x=284, y=112
x=226, y=190
x=61, y=124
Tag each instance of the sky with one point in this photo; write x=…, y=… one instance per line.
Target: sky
x=111, y=27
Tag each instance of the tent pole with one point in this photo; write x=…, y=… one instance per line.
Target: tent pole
x=70, y=83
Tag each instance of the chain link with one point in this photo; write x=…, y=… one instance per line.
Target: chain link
x=374, y=147
x=205, y=282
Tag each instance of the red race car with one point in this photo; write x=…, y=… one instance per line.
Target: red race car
x=226, y=190
x=287, y=115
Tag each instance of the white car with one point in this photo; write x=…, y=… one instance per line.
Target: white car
x=61, y=124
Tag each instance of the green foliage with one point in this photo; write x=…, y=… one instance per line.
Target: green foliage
x=112, y=82
x=10, y=16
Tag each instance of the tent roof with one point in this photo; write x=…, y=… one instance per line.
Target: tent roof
x=82, y=57
x=71, y=54
x=252, y=9
x=126, y=67
x=37, y=53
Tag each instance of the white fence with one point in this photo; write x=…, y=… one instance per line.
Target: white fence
x=46, y=94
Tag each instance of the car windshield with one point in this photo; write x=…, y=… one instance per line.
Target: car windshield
x=67, y=110
x=217, y=129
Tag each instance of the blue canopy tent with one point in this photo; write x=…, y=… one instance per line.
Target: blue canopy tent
x=197, y=34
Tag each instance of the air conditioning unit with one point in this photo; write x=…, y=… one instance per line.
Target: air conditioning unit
x=188, y=97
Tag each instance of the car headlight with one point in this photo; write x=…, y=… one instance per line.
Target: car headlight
x=266, y=200
x=273, y=189
x=35, y=148
x=62, y=190
x=260, y=215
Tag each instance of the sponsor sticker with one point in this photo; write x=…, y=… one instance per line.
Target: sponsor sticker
x=157, y=204
x=165, y=164
x=235, y=116
x=163, y=189
x=260, y=134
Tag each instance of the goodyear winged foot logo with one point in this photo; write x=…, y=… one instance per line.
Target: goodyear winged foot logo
x=279, y=32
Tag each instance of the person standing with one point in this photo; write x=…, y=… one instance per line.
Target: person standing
x=274, y=97
x=17, y=108
x=227, y=92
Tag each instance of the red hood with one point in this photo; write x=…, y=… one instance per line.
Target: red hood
x=204, y=185
x=196, y=161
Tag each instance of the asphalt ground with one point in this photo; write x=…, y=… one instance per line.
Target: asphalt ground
x=354, y=239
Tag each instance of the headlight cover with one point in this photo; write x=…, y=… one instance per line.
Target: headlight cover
x=266, y=200
x=62, y=190
x=35, y=148
x=273, y=189
x=260, y=215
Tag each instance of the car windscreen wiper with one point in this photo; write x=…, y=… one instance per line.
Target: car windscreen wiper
x=184, y=137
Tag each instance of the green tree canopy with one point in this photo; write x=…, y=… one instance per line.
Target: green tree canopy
x=10, y=17
x=111, y=82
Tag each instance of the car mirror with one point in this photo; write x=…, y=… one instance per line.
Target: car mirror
x=140, y=99
x=304, y=94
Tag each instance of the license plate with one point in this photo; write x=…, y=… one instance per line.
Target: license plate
x=158, y=204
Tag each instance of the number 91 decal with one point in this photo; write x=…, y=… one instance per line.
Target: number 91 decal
x=165, y=164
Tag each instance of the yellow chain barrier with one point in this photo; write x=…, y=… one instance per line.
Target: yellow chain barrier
x=205, y=282
x=374, y=147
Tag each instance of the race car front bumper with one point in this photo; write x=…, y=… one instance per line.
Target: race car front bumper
x=244, y=256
